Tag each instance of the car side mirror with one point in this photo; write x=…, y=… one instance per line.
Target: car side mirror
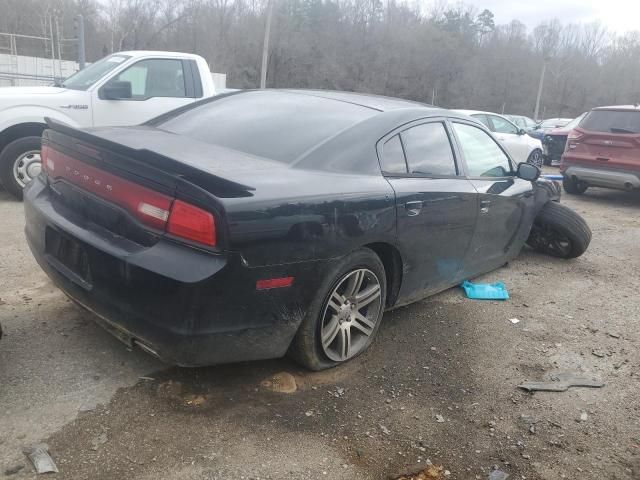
x=522, y=131
x=116, y=90
x=529, y=172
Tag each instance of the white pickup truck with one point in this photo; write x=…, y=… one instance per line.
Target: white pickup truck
x=126, y=88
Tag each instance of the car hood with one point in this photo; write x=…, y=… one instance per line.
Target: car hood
x=29, y=91
x=559, y=131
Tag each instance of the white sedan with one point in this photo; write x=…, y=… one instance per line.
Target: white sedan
x=515, y=140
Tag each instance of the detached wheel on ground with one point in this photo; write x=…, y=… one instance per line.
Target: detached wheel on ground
x=343, y=320
x=560, y=232
x=572, y=187
x=19, y=164
x=535, y=158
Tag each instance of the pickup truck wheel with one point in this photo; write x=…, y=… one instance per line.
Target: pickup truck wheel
x=344, y=319
x=19, y=164
x=572, y=187
x=535, y=158
x=560, y=232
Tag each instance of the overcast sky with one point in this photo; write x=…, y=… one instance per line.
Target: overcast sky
x=617, y=15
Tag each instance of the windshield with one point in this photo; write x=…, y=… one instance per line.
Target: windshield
x=612, y=121
x=94, y=72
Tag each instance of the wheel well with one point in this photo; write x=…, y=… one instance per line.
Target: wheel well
x=392, y=261
x=21, y=130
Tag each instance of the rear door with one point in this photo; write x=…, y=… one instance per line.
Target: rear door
x=436, y=205
x=608, y=138
x=508, y=135
x=505, y=201
x=158, y=85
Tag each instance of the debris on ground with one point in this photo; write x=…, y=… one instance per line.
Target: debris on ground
x=561, y=382
x=39, y=456
x=498, y=475
x=13, y=470
x=281, y=382
x=485, y=291
x=439, y=419
x=583, y=417
x=431, y=472
x=514, y=320
x=98, y=440
x=385, y=430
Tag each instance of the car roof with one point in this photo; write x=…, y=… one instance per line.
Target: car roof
x=156, y=53
x=632, y=108
x=375, y=102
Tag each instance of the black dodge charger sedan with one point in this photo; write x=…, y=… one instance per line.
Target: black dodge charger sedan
x=264, y=222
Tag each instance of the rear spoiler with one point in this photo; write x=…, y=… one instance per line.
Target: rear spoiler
x=205, y=180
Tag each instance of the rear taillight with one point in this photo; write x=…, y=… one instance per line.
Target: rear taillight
x=192, y=223
x=573, y=140
x=154, y=209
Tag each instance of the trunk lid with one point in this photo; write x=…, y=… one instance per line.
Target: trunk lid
x=130, y=180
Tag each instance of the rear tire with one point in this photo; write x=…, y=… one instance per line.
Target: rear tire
x=572, y=187
x=560, y=232
x=536, y=158
x=308, y=347
x=19, y=164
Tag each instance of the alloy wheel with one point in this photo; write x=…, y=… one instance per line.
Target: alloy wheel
x=351, y=314
x=536, y=158
x=27, y=167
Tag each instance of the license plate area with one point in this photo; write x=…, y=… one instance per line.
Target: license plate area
x=68, y=257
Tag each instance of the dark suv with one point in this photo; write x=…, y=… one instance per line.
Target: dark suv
x=604, y=151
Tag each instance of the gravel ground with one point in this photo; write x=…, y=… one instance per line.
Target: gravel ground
x=438, y=385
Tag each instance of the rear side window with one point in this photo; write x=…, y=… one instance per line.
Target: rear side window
x=611, y=121
x=428, y=150
x=393, y=156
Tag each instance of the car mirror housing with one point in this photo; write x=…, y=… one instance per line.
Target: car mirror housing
x=529, y=172
x=522, y=131
x=116, y=90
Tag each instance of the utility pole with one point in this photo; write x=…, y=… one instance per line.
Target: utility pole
x=540, y=85
x=78, y=22
x=265, y=45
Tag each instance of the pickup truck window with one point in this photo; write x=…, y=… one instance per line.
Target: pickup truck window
x=157, y=77
x=83, y=79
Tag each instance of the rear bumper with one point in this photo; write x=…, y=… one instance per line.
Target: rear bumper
x=186, y=306
x=600, y=177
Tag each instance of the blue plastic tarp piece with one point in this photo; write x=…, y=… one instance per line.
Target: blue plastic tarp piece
x=552, y=177
x=485, y=291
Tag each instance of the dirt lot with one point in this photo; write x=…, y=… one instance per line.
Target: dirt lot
x=438, y=385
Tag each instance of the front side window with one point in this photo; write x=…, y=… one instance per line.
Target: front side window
x=393, y=156
x=483, y=156
x=501, y=125
x=428, y=150
x=155, y=78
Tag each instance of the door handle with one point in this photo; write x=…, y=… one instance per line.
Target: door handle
x=484, y=206
x=413, y=208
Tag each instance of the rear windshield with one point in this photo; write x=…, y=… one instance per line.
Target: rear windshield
x=276, y=125
x=612, y=121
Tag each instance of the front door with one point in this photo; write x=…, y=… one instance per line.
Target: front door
x=505, y=201
x=158, y=85
x=436, y=208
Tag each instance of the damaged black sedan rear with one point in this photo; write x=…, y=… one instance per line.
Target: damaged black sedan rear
x=265, y=222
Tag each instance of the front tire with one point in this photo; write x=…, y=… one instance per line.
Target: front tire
x=572, y=187
x=535, y=158
x=19, y=164
x=560, y=232
x=346, y=314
